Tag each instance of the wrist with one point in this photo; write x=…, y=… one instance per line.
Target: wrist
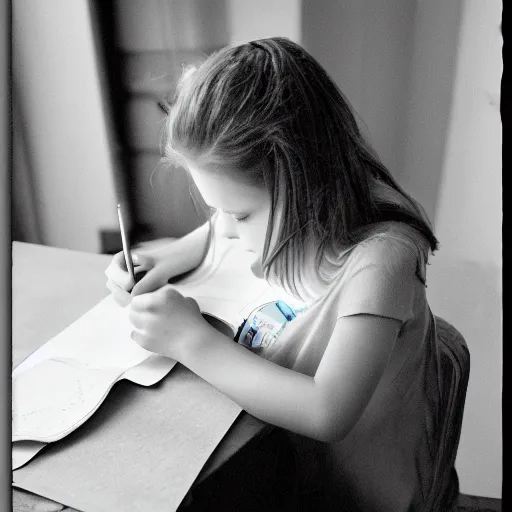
x=198, y=343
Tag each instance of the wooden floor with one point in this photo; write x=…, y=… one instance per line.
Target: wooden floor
x=468, y=503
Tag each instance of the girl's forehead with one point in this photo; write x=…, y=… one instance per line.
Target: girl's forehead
x=223, y=191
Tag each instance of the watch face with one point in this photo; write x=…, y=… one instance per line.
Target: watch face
x=265, y=324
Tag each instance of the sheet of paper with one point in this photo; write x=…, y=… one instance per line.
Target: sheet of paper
x=23, y=451
x=69, y=394
x=98, y=339
x=147, y=373
x=140, y=451
x=59, y=386
x=225, y=287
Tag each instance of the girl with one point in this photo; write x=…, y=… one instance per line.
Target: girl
x=274, y=149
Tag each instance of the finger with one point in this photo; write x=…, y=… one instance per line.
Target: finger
x=137, y=336
x=118, y=275
x=143, y=261
x=139, y=274
x=141, y=339
x=166, y=295
x=122, y=297
x=143, y=303
x=152, y=281
x=137, y=319
x=119, y=260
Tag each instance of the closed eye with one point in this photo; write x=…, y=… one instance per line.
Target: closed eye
x=238, y=217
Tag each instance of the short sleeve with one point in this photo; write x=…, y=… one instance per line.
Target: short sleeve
x=382, y=282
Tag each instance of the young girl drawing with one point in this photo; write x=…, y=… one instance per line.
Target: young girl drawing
x=274, y=149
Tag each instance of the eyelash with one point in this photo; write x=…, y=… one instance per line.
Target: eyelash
x=237, y=219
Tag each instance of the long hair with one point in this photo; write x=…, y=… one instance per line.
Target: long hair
x=270, y=101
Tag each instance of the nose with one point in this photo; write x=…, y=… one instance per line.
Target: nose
x=226, y=226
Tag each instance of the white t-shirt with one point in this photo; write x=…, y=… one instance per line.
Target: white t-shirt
x=386, y=463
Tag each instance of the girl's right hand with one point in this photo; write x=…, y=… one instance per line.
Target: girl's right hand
x=157, y=266
x=156, y=273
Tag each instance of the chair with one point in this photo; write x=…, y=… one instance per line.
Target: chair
x=454, y=364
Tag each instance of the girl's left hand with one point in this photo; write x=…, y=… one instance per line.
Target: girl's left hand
x=165, y=321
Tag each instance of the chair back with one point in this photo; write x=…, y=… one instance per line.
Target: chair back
x=453, y=360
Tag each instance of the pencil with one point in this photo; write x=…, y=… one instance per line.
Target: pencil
x=126, y=244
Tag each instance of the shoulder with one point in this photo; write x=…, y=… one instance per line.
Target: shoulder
x=392, y=247
x=382, y=275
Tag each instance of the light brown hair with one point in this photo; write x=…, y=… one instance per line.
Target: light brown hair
x=271, y=101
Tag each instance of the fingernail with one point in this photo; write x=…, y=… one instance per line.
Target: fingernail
x=135, y=258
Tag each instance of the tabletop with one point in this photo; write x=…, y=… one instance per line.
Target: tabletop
x=51, y=288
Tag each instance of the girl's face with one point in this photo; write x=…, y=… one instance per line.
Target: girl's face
x=243, y=210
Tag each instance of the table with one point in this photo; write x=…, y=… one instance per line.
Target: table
x=53, y=287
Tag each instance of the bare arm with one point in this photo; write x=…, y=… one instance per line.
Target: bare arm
x=186, y=253
x=323, y=407
x=176, y=258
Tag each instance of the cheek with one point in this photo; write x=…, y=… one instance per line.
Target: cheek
x=262, y=232
x=252, y=235
x=248, y=239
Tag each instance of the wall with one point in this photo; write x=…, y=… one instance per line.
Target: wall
x=429, y=99
x=465, y=276
x=55, y=72
x=25, y=223
x=266, y=18
x=365, y=46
